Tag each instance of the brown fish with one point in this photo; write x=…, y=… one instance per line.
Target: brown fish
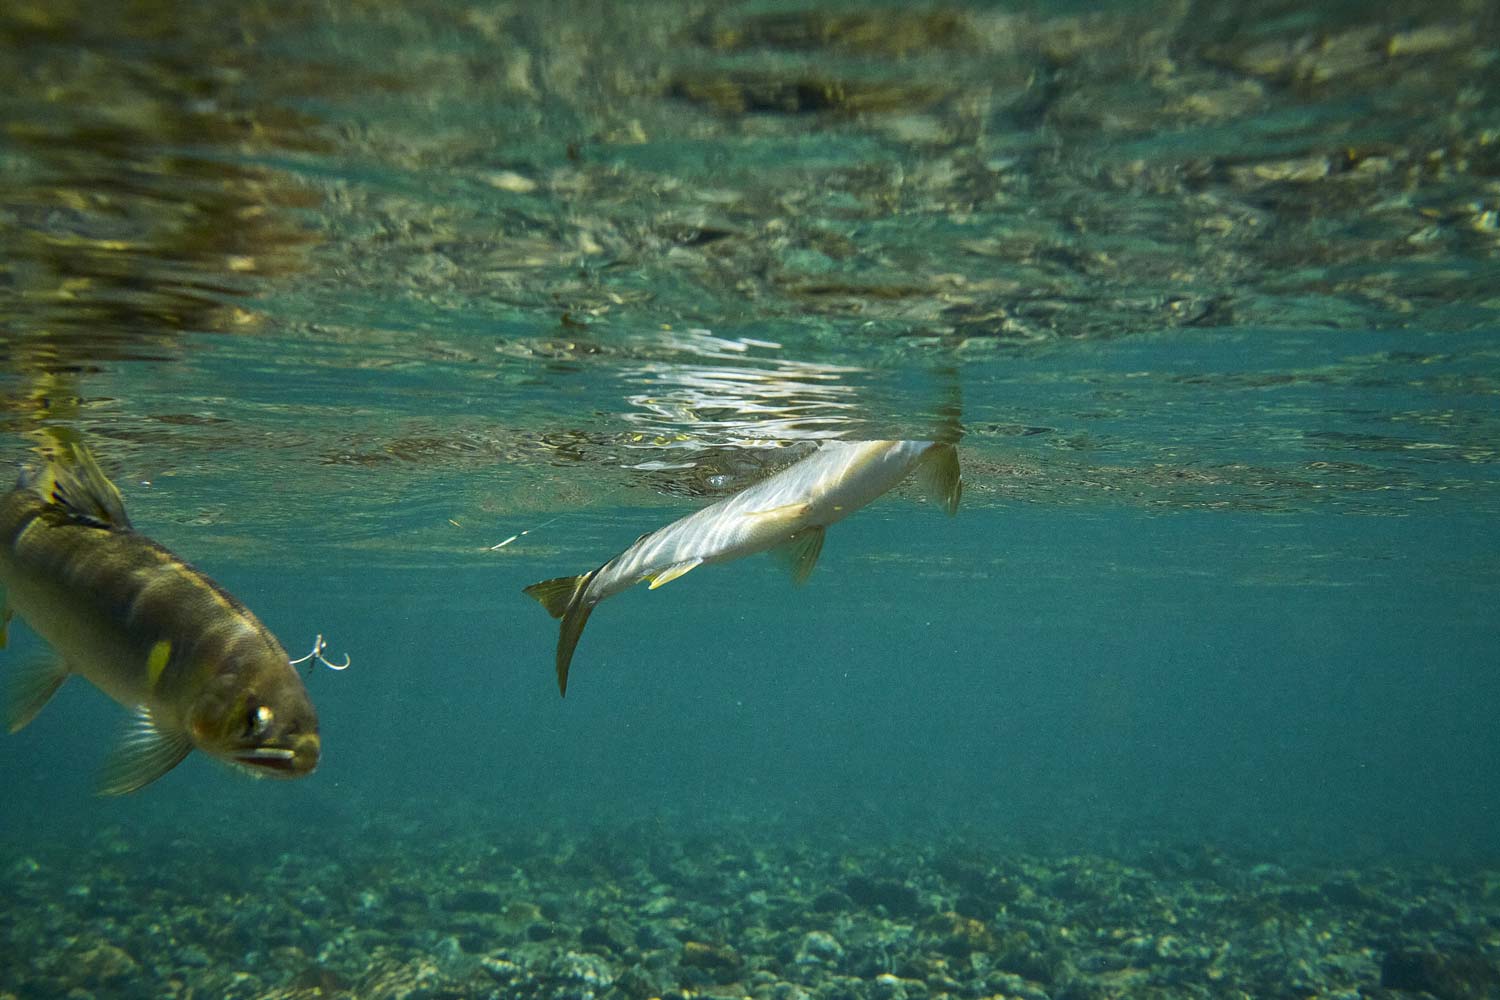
x=197, y=667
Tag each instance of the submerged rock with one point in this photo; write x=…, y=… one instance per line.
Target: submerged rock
x=102, y=964
x=957, y=935
x=474, y=901
x=581, y=975
x=606, y=936
x=721, y=962
x=897, y=898
x=1446, y=975
x=820, y=948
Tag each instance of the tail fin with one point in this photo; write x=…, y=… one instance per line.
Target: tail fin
x=563, y=598
x=940, y=478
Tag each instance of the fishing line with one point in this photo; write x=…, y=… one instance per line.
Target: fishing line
x=501, y=545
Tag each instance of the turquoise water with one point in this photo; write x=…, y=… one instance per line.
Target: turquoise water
x=346, y=295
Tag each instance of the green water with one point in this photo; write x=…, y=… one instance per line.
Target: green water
x=345, y=295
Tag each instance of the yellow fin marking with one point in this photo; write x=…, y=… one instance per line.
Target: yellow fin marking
x=156, y=660
x=673, y=572
x=786, y=512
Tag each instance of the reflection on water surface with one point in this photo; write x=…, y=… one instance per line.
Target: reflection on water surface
x=1206, y=261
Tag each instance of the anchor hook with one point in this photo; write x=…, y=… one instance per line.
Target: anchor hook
x=319, y=646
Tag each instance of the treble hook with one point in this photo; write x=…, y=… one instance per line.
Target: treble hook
x=319, y=645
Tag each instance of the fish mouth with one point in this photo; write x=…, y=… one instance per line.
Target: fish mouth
x=279, y=761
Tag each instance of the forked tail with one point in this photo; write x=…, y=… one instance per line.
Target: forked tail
x=563, y=598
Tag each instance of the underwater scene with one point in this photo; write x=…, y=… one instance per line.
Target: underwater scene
x=774, y=499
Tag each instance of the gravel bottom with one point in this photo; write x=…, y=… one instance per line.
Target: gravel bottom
x=646, y=910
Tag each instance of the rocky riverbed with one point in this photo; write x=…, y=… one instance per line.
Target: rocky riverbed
x=649, y=911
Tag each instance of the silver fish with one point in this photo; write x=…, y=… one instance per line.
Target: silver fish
x=788, y=511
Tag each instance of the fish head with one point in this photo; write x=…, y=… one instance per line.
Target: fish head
x=256, y=715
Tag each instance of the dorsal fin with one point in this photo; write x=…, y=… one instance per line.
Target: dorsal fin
x=74, y=481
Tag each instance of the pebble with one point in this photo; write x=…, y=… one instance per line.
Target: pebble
x=820, y=948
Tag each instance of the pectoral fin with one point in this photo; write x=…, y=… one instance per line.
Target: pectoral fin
x=801, y=553
x=6, y=614
x=145, y=754
x=940, y=478
x=31, y=686
x=673, y=572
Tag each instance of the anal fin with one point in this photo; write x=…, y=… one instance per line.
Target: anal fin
x=801, y=553
x=146, y=753
x=673, y=572
x=30, y=688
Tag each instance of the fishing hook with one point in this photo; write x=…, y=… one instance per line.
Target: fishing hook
x=319, y=645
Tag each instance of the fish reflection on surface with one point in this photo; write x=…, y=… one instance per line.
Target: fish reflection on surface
x=788, y=512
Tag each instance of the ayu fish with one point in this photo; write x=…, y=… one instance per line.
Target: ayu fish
x=199, y=670
x=788, y=512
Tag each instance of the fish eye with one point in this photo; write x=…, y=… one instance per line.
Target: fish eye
x=258, y=720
